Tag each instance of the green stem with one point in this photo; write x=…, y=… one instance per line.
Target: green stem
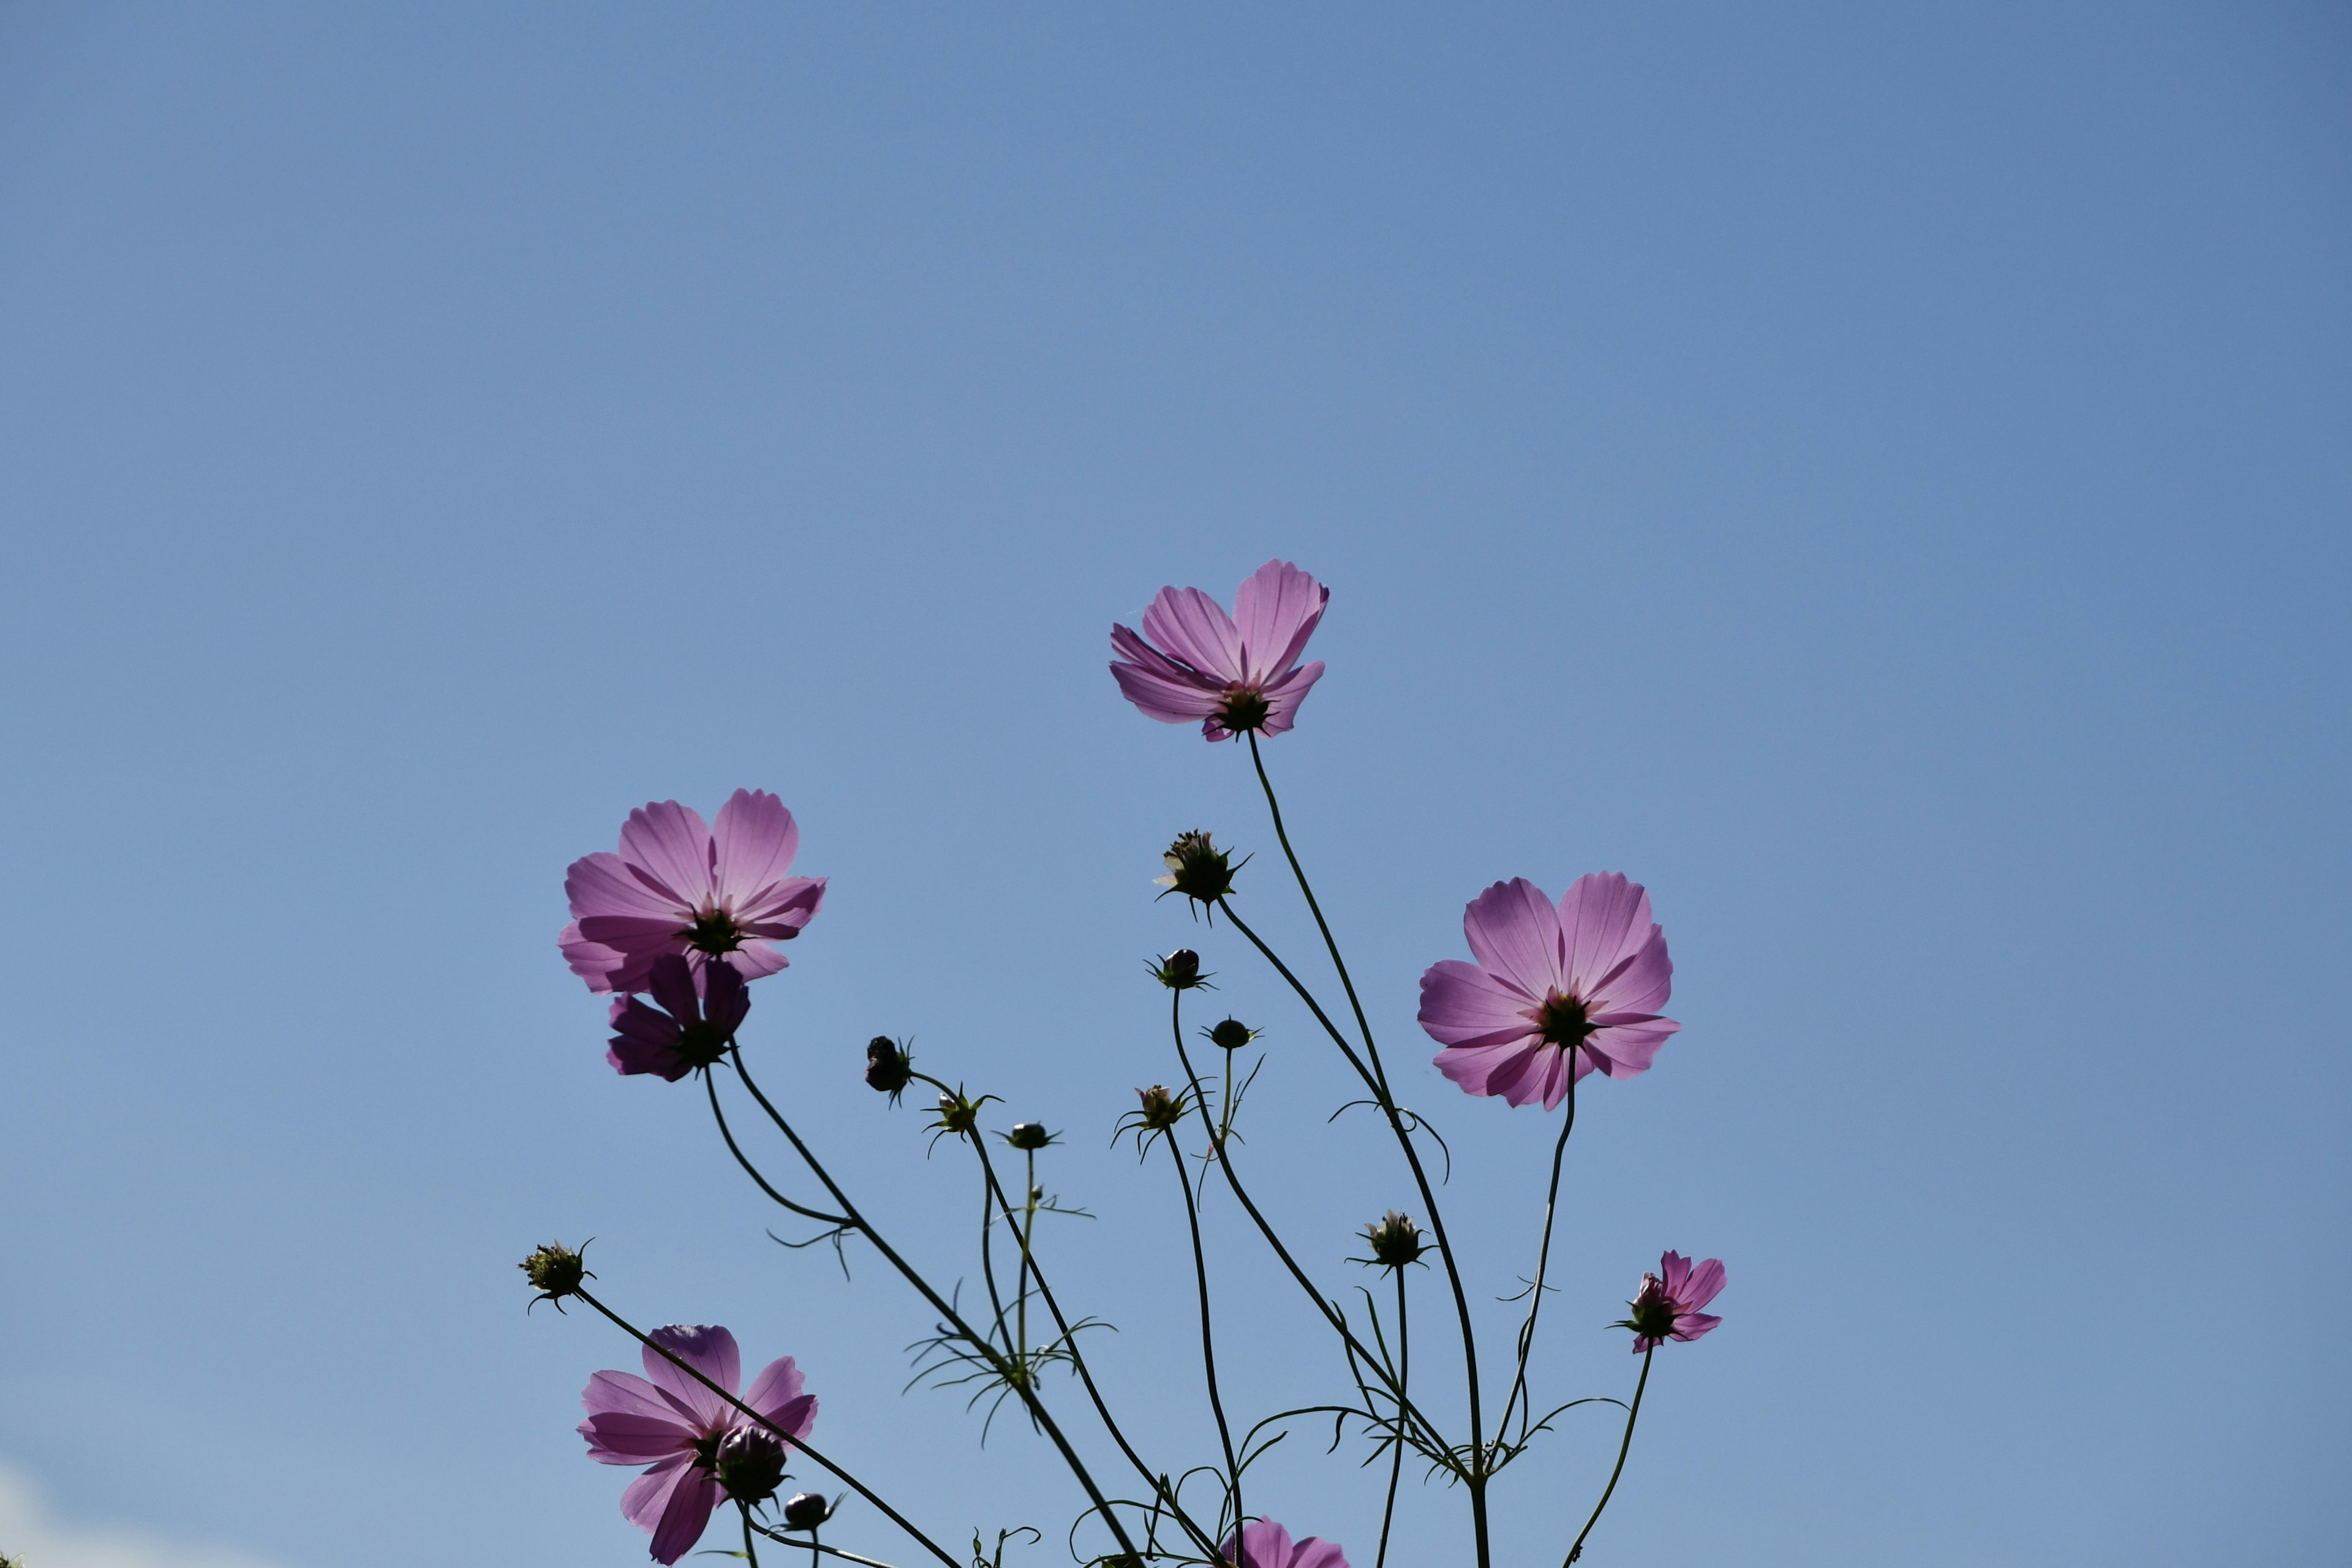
x=1543, y=1261
x=1396, y=1465
x=860, y=1487
x=1208, y=1341
x=1633, y=1413
x=751, y=1553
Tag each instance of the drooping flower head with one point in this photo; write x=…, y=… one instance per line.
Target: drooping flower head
x=701, y=1011
x=1234, y=672
x=1266, y=1545
x=670, y=1422
x=1582, y=981
x=679, y=887
x=1667, y=1305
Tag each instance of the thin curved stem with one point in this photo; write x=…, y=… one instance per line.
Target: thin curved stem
x=1633, y=1413
x=1332, y=1314
x=1396, y=1463
x=710, y=1082
x=1208, y=1340
x=1543, y=1261
x=816, y=1546
x=1476, y=1480
x=860, y=1487
x=751, y=1553
x=1029, y=1397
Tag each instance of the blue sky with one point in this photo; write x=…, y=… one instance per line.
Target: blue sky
x=1878, y=479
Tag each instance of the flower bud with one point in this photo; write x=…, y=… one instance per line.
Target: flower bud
x=1395, y=1240
x=1028, y=1136
x=1197, y=868
x=750, y=1463
x=554, y=1272
x=1230, y=1035
x=957, y=1115
x=806, y=1511
x=1162, y=1106
x=888, y=1066
x=1180, y=970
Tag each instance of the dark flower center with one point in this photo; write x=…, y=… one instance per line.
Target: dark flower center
x=1244, y=709
x=1562, y=1021
x=714, y=932
x=702, y=1045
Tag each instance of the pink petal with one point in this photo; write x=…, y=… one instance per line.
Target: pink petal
x=1514, y=931
x=604, y=885
x=1706, y=1282
x=1264, y=1545
x=1639, y=982
x=1462, y=1005
x=1474, y=1066
x=591, y=960
x=1283, y=697
x=670, y=844
x=649, y=1496
x=1193, y=627
x=618, y=1439
x=1673, y=1270
x=688, y=1513
x=709, y=1349
x=1627, y=1049
x=1691, y=1325
x=780, y=909
x=626, y=1394
x=1604, y=920
x=1315, y=1553
x=778, y=1384
x=1275, y=612
x=1157, y=684
x=753, y=961
x=1526, y=1079
x=756, y=840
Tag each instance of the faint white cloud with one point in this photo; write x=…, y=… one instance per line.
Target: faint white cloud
x=31, y=1532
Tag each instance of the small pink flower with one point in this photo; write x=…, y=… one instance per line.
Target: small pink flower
x=1231, y=672
x=1584, y=980
x=677, y=887
x=671, y=1423
x=689, y=1030
x=1667, y=1305
x=1266, y=1545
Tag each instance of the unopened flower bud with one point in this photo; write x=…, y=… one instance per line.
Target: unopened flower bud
x=554, y=1272
x=750, y=1463
x=1180, y=970
x=1030, y=1136
x=1162, y=1106
x=1230, y=1035
x=889, y=1066
x=806, y=1511
x=1395, y=1240
x=1197, y=868
x=957, y=1115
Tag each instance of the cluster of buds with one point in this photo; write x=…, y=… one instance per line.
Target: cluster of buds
x=1395, y=1240
x=554, y=1272
x=1181, y=971
x=1197, y=868
x=750, y=1464
x=889, y=1066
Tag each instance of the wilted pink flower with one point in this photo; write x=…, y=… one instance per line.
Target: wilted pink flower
x=677, y=886
x=1231, y=672
x=704, y=1009
x=1585, y=980
x=671, y=1423
x=1667, y=1308
x=1266, y=1545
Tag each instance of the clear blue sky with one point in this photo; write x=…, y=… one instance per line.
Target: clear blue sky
x=1878, y=478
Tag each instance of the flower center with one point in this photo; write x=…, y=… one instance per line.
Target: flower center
x=702, y=1045
x=714, y=932
x=1244, y=710
x=1562, y=1020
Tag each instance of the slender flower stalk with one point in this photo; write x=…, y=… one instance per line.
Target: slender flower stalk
x=1396, y=1461
x=1543, y=1261
x=1633, y=1413
x=1208, y=1340
x=948, y=1314
x=751, y=1553
x=797, y=1440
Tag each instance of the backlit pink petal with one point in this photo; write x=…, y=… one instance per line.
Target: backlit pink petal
x=1514, y=931
x=669, y=845
x=1276, y=611
x=1474, y=1066
x=753, y=961
x=1603, y=919
x=647, y=1498
x=1638, y=983
x=1266, y=1545
x=756, y=839
x=617, y=1439
x=603, y=884
x=1691, y=1325
x=1166, y=698
x=1674, y=1273
x=780, y=909
x=591, y=960
x=1705, y=1284
x=1463, y=1005
x=1284, y=696
x=1193, y=627
x=1314, y=1553
x=626, y=1394
x=709, y=1349
x=691, y=1501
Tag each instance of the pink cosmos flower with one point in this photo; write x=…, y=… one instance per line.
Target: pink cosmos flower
x=704, y=1009
x=1584, y=980
x=670, y=1422
x=1667, y=1305
x=677, y=887
x=1231, y=672
x=1266, y=1545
